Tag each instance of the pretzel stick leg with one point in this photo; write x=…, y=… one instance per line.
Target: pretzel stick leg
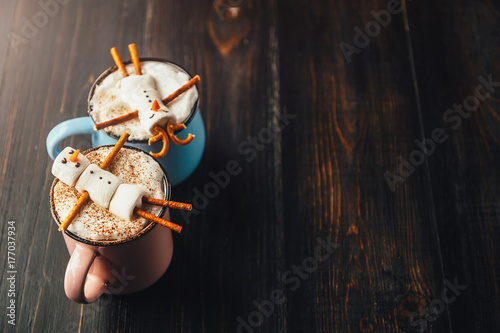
x=82, y=200
x=166, y=203
x=173, y=137
x=116, y=121
x=118, y=61
x=182, y=89
x=166, y=143
x=154, y=139
x=179, y=127
x=135, y=59
x=156, y=219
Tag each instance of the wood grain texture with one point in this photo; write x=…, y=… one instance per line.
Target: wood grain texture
x=8, y=13
x=386, y=258
x=464, y=168
x=313, y=135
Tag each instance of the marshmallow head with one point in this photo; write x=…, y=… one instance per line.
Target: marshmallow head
x=149, y=118
x=67, y=171
x=100, y=184
x=125, y=199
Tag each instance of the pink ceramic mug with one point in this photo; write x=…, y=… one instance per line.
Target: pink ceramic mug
x=116, y=267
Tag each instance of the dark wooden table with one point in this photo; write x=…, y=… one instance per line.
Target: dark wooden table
x=368, y=198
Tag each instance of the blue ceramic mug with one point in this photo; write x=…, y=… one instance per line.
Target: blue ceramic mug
x=180, y=161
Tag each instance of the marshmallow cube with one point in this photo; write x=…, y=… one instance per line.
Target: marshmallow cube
x=67, y=171
x=100, y=184
x=125, y=199
x=139, y=91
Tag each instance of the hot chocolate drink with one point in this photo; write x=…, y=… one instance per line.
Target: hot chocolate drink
x=96, y=223
x=115, y=96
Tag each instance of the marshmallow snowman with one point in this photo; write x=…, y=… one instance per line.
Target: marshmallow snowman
x=140, y=92
x=104, y=188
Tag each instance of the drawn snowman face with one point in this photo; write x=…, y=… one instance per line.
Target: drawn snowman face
x=139, y=91
x=100, y=184
x=67, y=171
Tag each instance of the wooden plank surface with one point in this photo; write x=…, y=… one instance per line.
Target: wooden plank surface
x=388, y=255
x=311, y=220
x=464, y=168
x=8, y=9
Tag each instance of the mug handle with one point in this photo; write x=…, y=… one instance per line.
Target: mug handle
x=81, y=125
x=78, y=285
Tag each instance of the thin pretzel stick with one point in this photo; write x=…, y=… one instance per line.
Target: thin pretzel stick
x=158, y=136
x=155, y=138
x=82, y=200
x=118, y=61
x=74, y=156
x=167, y=203
x=182, y=89
x=179, y=127
x=115, y=151
x=166, y=143
x=117, y=120
x=135, y=59
x=156, y=219
x=177, y=141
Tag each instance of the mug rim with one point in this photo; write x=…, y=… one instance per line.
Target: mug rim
x=113, y=69
x=104, y=243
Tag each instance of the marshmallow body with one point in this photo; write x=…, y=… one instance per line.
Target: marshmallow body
x=125, y=199
x=139, y=91
x=67, y=171
x=100, y=184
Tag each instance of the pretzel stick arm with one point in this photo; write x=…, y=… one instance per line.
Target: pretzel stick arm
x=117, y=120
x=182, y=89
x=116, y=149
